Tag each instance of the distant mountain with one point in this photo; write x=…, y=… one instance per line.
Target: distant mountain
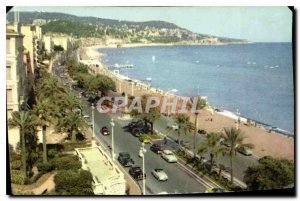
x=146, y=32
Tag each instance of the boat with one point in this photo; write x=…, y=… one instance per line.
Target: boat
x=153, y=58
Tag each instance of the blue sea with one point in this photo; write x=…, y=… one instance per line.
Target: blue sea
x=256, y=79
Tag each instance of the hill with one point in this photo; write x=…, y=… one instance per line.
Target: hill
x=146, y=32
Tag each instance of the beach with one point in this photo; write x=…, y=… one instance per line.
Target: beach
x=265, y=143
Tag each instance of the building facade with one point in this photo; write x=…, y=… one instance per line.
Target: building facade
x=16, y=83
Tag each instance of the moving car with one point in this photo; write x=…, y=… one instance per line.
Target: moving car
x=156, y=148
x=125, y=159
x=214, y=190
x=159, y=174
x=245, y=150
x=145, y=139
x=137, y=173
x=104, y=130
x=169, y=156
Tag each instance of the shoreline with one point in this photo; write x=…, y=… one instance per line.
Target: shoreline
x=257, y=132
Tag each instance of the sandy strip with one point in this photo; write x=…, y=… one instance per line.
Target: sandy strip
x=265, y=143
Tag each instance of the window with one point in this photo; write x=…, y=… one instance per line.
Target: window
x=9, y=95
x=7, y=45
x=8, y=72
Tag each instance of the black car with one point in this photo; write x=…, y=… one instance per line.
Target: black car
x=203, y=132
x=156, y=148
x=137, y=173
x=125, y=159
x=135, y=124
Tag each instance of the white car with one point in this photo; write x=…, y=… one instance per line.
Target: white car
x=169, y=156
x=160, y=174
x=173, y=126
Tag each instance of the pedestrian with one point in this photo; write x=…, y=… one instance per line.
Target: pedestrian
x=165, y=140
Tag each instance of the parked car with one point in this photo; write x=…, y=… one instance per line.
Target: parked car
x=203, y=132
x=137, y=173
x=224, y=142
x=135, y=124
x=104, y=130
x=160, y=174
x=169, y=156
x=214, y=190
x=156, y=148
x=125, y=159
x=173, y=126
x=139, y=130
x=245, y=150
x=145, y=139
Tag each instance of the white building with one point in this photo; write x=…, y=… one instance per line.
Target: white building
x=108, y=179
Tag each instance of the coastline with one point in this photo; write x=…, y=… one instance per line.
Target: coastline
x=266, y=142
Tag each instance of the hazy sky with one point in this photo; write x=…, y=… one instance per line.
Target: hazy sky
x=257, y=24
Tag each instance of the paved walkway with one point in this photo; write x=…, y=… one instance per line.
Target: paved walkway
x=47, y=186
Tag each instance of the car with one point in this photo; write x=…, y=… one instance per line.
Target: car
x=104, y=130
x=156, y=148
x=160, y=174
x=173, y=126
x=137, y=173
x=145, y=139
x=169, y=156
x=224, y=142
x=245, y=150
x=125, y=159
x=214, y=190
x=203, y=132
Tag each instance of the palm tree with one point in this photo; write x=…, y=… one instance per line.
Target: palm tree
x=48, y=87
x=71, y=102
x=201, y=103
x=184, y=125
x=72, y=123
x=212, y=145
x=22, y=120
x=234, y=138
x=44, y=112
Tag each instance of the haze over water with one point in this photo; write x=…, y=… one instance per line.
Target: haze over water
x=255, y=78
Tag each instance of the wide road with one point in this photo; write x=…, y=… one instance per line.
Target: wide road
x=179, y=181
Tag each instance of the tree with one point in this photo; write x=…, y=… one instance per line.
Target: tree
x=184, y=125
x=270, y=173
x=72, y=123
x=58, y=48
x=149, y=117
x=234, y=138
x=212, y=145
x=73, y=182
x=43, y=115
x=22, y=120
x=201, y=103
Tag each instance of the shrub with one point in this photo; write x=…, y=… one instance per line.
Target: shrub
x=71, y=182
x=67, y=163
x=44, y=167
x=17, y=177
x=16, y=164
x=52, y=153
x=70, y=146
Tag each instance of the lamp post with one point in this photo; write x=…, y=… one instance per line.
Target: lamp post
x=238, y=118
x=112, y=123
x=93, y=117
x=142, y=154
x=196, y=130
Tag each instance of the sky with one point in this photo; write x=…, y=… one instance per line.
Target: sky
x=256, y=24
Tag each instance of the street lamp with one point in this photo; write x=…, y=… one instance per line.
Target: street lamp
x=112, y=123
x=93, y=117
x=238, y=118
x=142, y=154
